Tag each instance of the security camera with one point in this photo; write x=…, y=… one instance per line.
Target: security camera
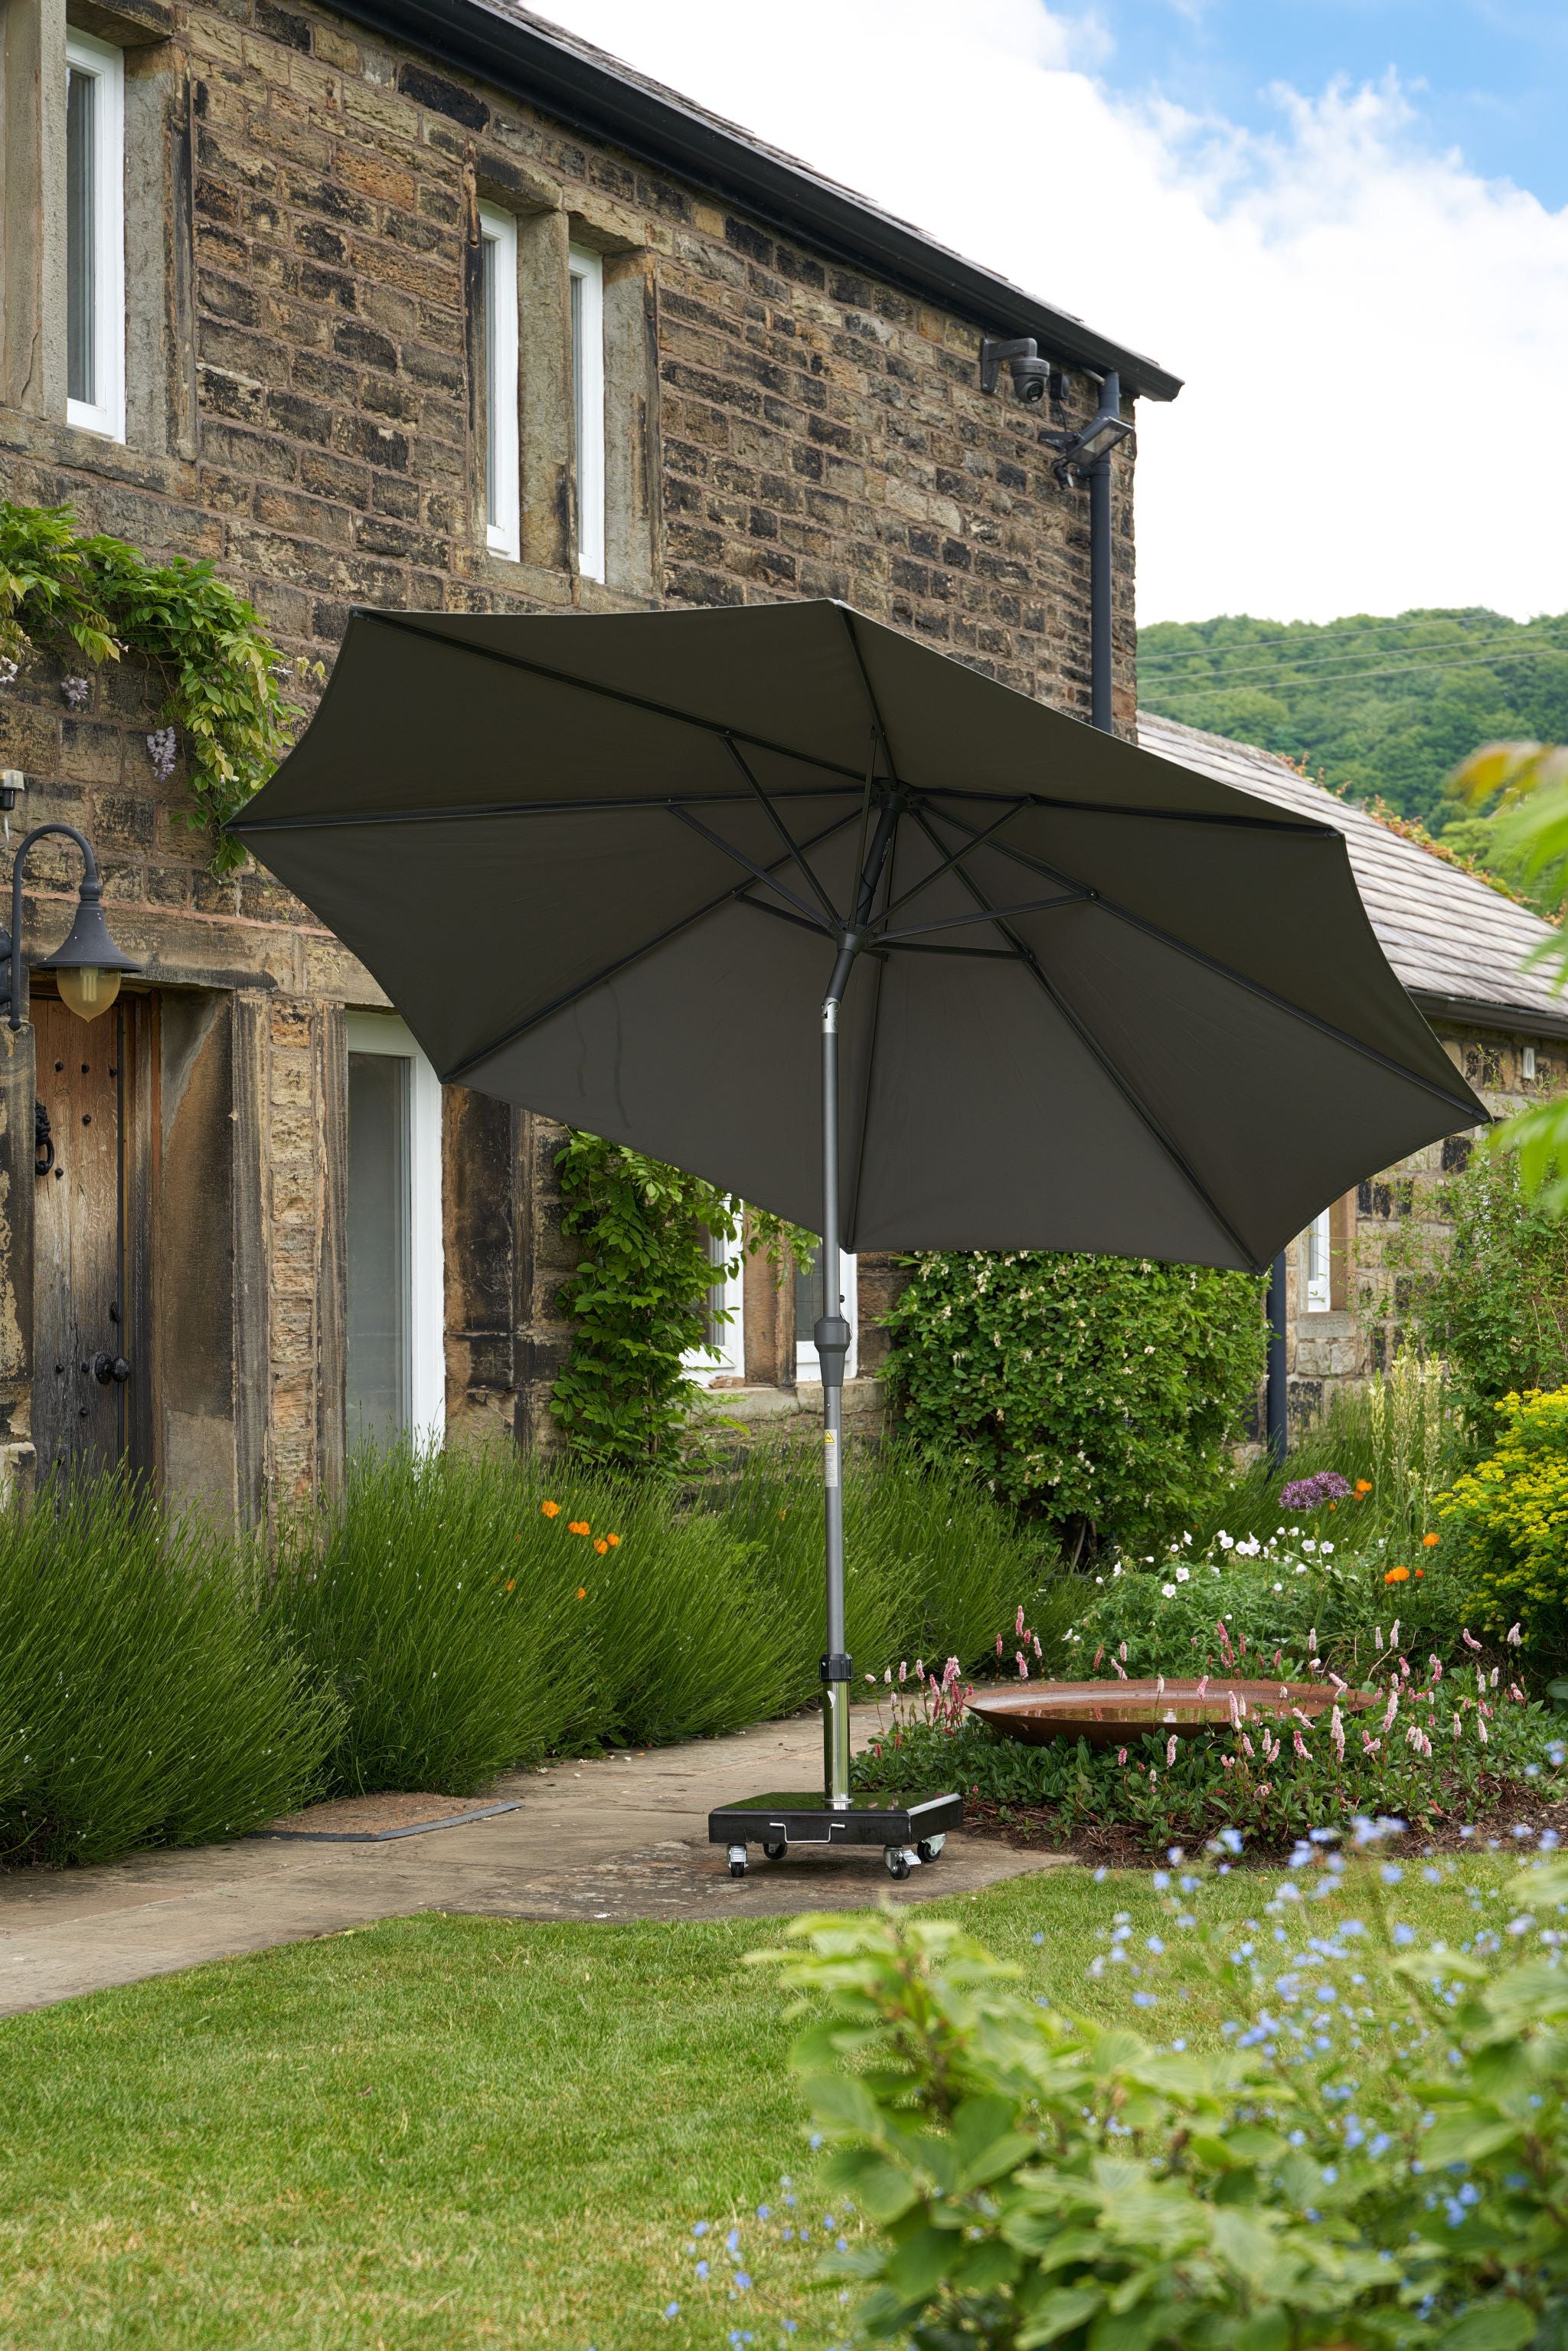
x=1029, y=372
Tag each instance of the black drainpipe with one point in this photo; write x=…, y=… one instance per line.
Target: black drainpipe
x=1277, y=1393
x=1100, y=593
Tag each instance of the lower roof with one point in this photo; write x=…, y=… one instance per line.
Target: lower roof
x=1457, y=944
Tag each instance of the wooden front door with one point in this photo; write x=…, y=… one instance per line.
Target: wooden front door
x=92, y=1375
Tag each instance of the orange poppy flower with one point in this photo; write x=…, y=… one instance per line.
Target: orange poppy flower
x=1364, y=1484
x=582, y=1590
x=578, y=1527
x=600, y=1546
x=1397, y=1576
x=513, y=1585
x=1427, y=1542
x=613, y=1541
x=1420, y=1571
x=550, y=1509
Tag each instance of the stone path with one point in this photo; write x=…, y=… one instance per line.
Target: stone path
x=621, y=1836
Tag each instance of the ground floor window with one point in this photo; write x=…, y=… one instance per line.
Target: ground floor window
x=809, y=1305
x=396, y=1377
x=1317, y=1251
x=724, y=1357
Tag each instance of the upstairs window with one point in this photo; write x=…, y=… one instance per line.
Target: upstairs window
x=498, y=346
x=94, y=236
x=588, y=406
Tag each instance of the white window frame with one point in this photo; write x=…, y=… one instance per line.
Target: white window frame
x=1317, y=1263
x=726, y=1359
x=586, y=290
x=104, y=65
x=503, y=528
x=807, y=1363
x=383, y=1032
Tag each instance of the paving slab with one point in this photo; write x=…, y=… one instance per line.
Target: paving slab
x=607, y=1838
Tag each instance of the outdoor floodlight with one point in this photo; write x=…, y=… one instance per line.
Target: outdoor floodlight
x=1029, y=372
x=87, y=965
x=1105, y=430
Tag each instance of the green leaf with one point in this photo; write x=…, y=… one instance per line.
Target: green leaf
x=920, y=2263
x=1495, y=2325
x=1058, y=2313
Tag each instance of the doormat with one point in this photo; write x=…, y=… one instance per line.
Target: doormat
x=373, y=1820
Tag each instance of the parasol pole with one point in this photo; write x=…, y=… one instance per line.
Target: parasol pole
x=831, y=1332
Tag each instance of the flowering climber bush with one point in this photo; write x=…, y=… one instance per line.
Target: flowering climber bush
x=1509, y=1519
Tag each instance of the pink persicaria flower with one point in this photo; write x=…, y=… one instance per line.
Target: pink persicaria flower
x=1469, y=1639
x=1436, y=1668
x=1337, y=1732
x=1017, y=1624
x=1302, y=1748
x=1023, y=1670
x=1515, y=1638
x=1121, y=1754
x=1170, y=1750
x=999, y=1644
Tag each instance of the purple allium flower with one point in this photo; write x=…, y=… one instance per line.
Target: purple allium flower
x=76, y=691
x=1311, y=1493
x=162, y=747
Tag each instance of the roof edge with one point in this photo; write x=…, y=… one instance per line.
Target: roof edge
x=536, y=61
x=1481, y=1012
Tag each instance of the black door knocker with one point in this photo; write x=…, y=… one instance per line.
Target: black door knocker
x=43, y=1141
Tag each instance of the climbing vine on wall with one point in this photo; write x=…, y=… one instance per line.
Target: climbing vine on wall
x=220, y=676
x=638, y=1298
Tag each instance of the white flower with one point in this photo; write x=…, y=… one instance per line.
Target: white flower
x=1225, y=1542
x=1324, y=1549
x=1167, y=1591
x=1309, y=1544
x=1182, y=1574
x=1279, y=1587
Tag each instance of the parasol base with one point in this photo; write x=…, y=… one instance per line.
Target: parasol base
x=910, y=1827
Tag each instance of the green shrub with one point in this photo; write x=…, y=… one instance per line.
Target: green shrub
x=470, y=1614
x=1097, y=1393
x=1268, y=1606
x=1379, y=2159
x=1509, y=1517
x=143, y=1701
x=1493, y=1302
x=449, y=1639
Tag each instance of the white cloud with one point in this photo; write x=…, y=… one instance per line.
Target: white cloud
x=1373, y=337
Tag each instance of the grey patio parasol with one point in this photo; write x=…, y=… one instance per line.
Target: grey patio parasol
x=811, y=910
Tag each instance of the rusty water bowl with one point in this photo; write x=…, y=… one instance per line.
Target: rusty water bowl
x=1109, y=1714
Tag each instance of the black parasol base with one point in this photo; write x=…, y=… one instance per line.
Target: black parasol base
x=911, y=1826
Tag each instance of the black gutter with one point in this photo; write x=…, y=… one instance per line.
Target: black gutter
x=539, y=64
x=1475, y=1012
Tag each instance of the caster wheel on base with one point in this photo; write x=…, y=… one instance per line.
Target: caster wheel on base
x=929, y=1847
x=776, y=1852
x=737, y=1861
x=899, y=1860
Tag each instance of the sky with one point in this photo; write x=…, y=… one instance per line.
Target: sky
x=1342, y=222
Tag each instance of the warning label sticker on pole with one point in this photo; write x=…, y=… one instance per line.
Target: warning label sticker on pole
x=829, y=1456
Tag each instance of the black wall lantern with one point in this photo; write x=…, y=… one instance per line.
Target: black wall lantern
x=1085, y=460
x=88, y=966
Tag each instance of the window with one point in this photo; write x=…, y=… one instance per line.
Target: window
x=1318, y=1257
x=588, y=406
x=809, y=1305
x=396, y=1379
x=724, y=1357
x=498, y=344
x=94, y=236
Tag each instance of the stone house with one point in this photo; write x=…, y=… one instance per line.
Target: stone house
x=436, y=308
x=1458, y=945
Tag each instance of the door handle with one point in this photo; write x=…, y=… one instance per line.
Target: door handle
x=107, y=1367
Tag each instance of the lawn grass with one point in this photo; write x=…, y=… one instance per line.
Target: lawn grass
x=446, y=2131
